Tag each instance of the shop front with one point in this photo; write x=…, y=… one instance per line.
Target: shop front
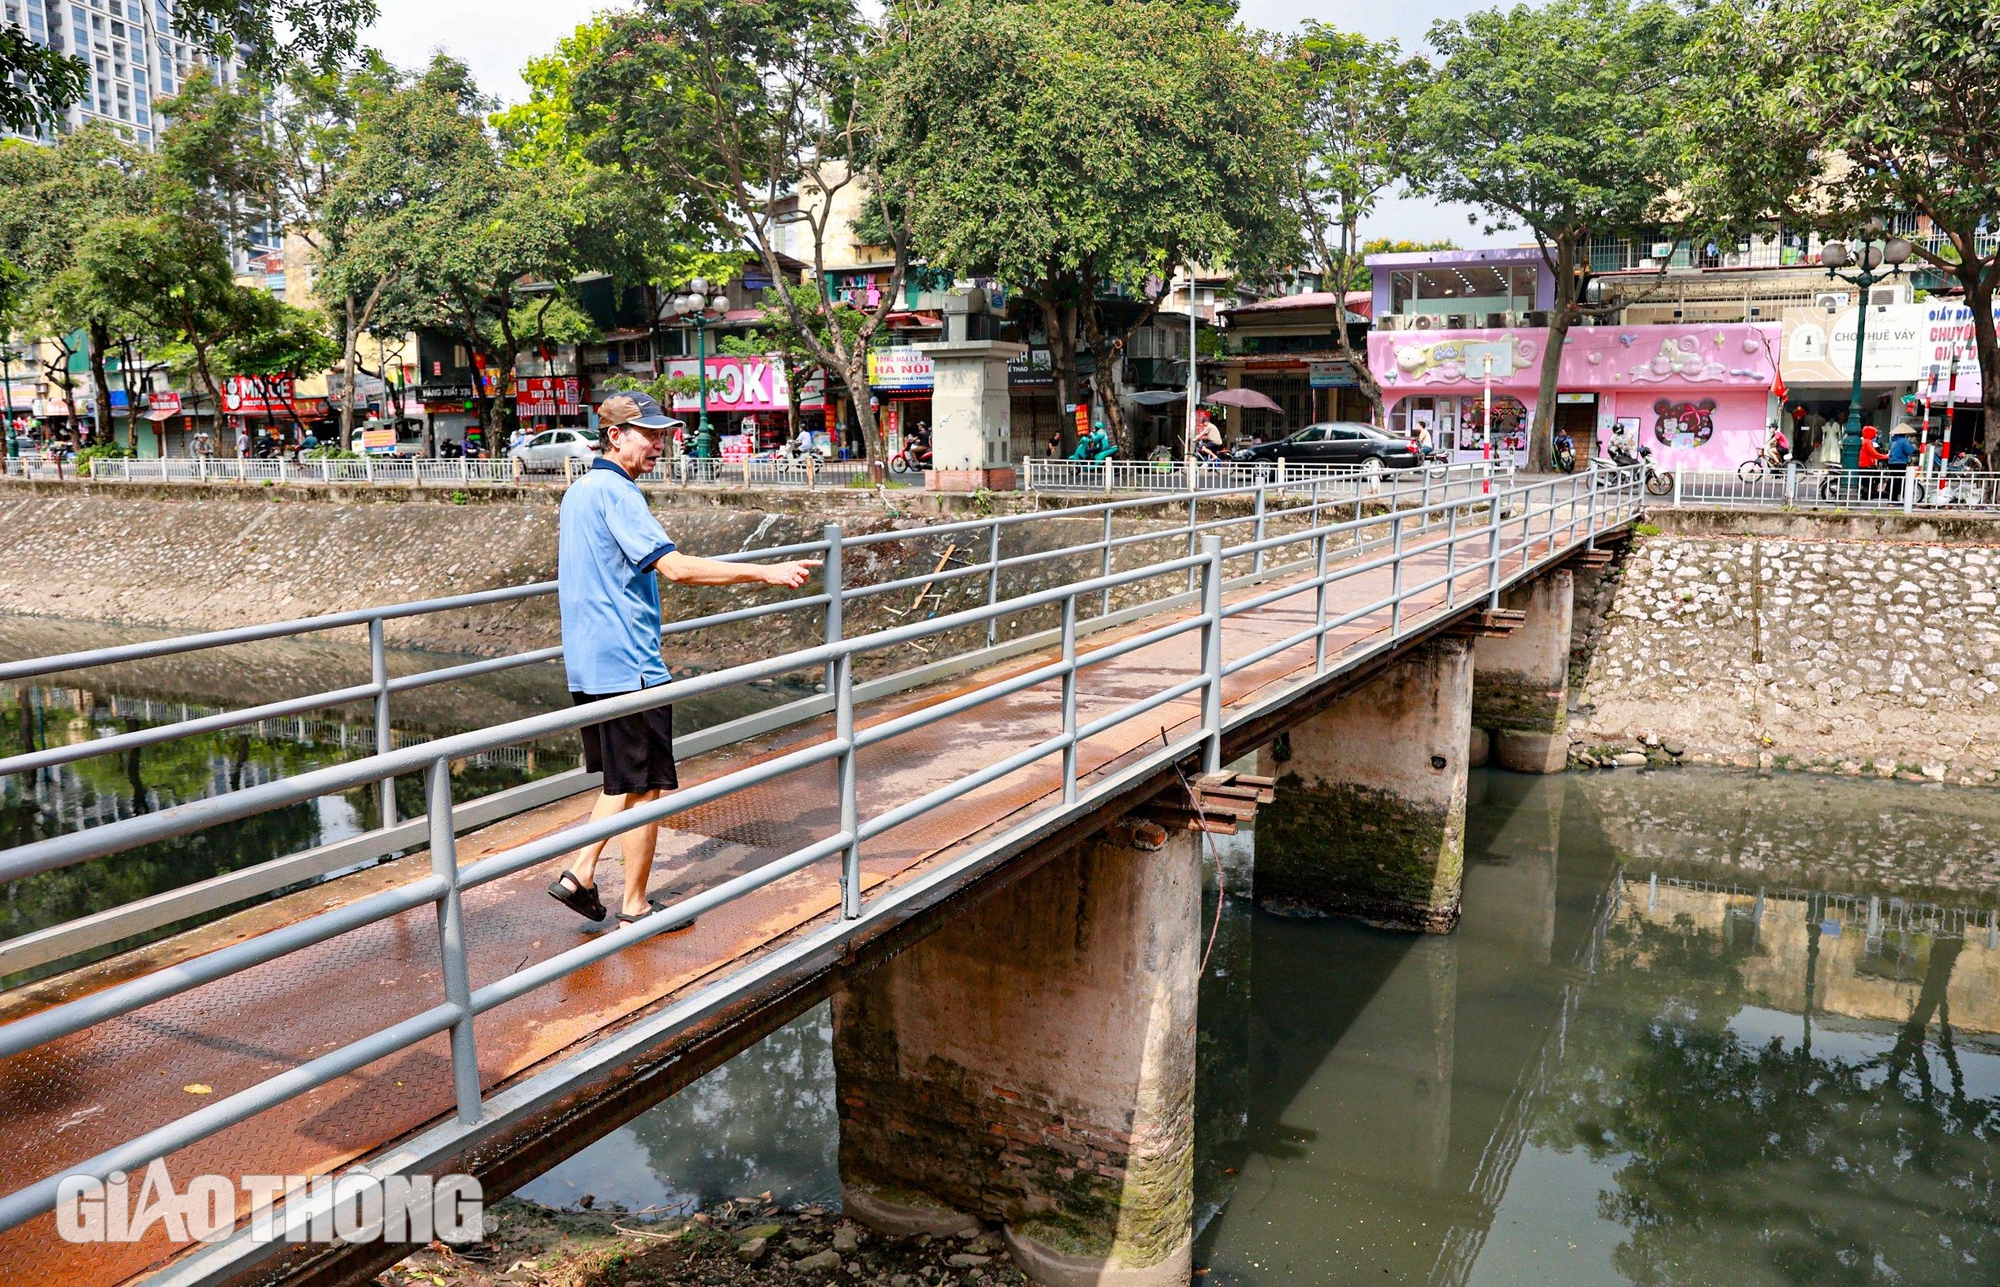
x=1698, y=395
x=900, y=379
x=749, y=401
x=548, y=401
x=1923, y=350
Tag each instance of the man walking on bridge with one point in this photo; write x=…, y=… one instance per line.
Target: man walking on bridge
x=611, y=547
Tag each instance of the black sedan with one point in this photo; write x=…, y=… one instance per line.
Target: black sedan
x=1337, y=443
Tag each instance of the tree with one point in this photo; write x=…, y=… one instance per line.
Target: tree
x=1550, y=119
x=1073, y=148
x=37, y=84
x=1356, y=93
x=441, y=235
x=796, y=354
x=755, y=118
x=50, y=197
x=1820, y=113
x=284, y=341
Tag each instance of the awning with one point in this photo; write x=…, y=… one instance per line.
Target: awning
x=1158, y=397
x=162, y=413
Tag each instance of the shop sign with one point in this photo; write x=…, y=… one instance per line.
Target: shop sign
x=1033, y=369
x=378, y=442
x=167, y=402
x=1819, y=347
x=257, y=395
x=1948, y=329
x=735, y=447
x=900, y=366
x=1638, y=358
x=1576, y=399
x=1331, y=375
x=745, y=384
x=548, y=395
x=445, y=391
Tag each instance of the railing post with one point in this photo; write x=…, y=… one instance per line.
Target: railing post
x=1493, y=553
x=1791, y=483
x=378, y=675
x=1451, y=556
x=1909, y=489
x=451, y=945
x=1679, y=474
x=1104, y=610
x=993, y=581
x=1257, y=532
x=850, y=805
x=1281, y=471
x=1396, y=574
x=1319, y=604
x=1590, y=520
x=368, y=468
x=832, y=580
x=1211, y=653
x=1069, y=699
x=1192, y=540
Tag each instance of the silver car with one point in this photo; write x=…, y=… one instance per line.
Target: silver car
x=548, y=449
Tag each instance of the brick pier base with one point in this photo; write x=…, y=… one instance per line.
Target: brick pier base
x=1033, y=1064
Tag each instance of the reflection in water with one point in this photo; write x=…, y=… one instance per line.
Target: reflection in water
x=114, y=700
x=763, y=1121
x=1610, y=1077
x=1607, y=1075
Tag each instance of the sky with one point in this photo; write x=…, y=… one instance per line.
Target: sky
x=496, y=37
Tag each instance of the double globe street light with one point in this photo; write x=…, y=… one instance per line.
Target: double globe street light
x=699, y=310
x=1862, y=258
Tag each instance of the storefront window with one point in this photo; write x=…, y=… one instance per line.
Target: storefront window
x=1469, y=289
x=1440, y=414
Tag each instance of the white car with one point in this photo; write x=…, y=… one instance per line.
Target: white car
x=548, y=449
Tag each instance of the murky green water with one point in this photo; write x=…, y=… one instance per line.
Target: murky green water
x=77, y=708
x=1625, y=1067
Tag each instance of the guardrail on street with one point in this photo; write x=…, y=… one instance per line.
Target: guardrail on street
x=408, y=471
x=1909, y=491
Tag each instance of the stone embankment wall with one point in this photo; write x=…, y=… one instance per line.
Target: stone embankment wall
x=170, y=559
x=1859, y=646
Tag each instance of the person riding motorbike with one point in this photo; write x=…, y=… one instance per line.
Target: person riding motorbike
x=1095, y=445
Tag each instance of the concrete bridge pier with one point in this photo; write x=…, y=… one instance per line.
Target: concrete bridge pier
x=1520, y=684
x=1033, y=1063
x=1369, y=820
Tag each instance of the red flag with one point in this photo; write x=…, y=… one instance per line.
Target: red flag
x=1778, y=389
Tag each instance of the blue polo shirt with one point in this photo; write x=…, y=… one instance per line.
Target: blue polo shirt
x=605, y=585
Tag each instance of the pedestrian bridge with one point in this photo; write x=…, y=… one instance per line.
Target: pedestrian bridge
x=991, y=861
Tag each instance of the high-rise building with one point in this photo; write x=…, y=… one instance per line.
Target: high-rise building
x=135, y=59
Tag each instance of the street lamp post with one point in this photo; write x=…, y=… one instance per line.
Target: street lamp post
x=1862, y=258
x=699, y=310
x=7, y=382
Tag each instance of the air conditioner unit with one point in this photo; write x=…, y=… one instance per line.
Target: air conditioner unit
x=1536, y=317
x=1457, y=321
x=1831, y=301
x=1663, y=249
x=1426, y=322
x=1497, y=321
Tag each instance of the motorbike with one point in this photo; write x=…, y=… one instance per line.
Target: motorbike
x=914, y=458
x=1659, y=482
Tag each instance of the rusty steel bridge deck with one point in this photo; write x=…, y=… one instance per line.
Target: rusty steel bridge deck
x=71, y=1099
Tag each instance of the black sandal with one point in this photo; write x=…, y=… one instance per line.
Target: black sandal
x=655, y=905
x=577, y=896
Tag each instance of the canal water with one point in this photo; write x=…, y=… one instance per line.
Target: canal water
x=86, y=705
x=1695, y=1028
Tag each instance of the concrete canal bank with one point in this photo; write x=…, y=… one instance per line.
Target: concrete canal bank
x=1852, y=644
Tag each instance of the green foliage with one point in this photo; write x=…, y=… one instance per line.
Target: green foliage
x=36, y=82
x=1549, y=119
x=663, y=389
x=330, y=452
x=284, y=340
x=1821, y=113
x=1109, y=140
x=99, y=451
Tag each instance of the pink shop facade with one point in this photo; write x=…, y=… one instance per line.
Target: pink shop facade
x=1699, y=396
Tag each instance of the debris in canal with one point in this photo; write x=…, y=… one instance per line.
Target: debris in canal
x=747, y=1242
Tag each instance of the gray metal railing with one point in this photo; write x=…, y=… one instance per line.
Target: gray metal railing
x=1460, y=547
x=1909, y=491
x=405, y=471
x=1429, y=482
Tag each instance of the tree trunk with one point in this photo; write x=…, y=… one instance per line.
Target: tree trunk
x=1541, y=438
x=100, y=337
x=1979, y=296
x=1364, y=378
x=350, y=340
x=1060, y=323
x=856, y=376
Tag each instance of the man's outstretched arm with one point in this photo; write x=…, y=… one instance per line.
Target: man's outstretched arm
x=687, y=569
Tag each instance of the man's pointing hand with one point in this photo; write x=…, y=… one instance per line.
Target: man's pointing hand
x=790, y=575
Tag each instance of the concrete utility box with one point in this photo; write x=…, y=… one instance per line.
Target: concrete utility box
x=970, y=415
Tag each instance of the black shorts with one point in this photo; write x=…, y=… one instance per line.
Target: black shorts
x=633, y=752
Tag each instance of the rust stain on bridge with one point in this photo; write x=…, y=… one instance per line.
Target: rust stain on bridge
x=67, y=1101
